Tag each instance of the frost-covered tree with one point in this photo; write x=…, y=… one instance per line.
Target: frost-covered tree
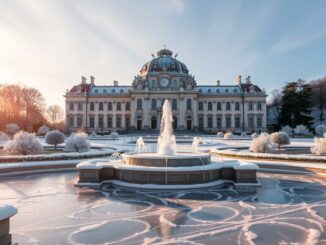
x=319, y=147
x=3, y=136
x=280, y=139
x=320, y=130
x=243, y=134
x=254, y=135
x=228, y=136
x=43, y=130
x=54, y=137
x=11, y=129
x=261, y=144
x=24, y=143
x=220, y=134
x=77, y=142
x=114, y=135
x=301, y=130
x=287, y=129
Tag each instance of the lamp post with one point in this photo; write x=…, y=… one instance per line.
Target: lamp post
x=292, y=118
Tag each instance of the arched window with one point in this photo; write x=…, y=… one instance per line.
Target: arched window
x=153, y=104
x=200, y=90
x=113, y=90
x=188, y=104
x=226, y=90
x=217, y=91
x=104, y=90
x=209, y=91
x=139, y=104
x=121, y=91
x=174, y=104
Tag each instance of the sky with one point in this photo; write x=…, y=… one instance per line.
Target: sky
x=49, y=45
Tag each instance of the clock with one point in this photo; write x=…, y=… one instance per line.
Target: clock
x=164, y=82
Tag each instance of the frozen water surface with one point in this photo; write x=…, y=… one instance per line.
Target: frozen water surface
x=286, y=209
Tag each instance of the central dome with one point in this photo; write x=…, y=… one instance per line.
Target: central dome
x=164, y=62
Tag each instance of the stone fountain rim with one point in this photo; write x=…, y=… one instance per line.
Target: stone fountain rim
x=154, y=155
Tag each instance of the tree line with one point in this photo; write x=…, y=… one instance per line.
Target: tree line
x=26, y=107
x=299, y=103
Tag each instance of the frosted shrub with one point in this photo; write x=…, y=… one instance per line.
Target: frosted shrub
x=254, y=135
x=54, y=137
x=93, y=134
x=287, y=129
x=261, y=144
x=301, y=130
x=24, y=143
x=114, y=135
x=319, y=147
x=280, y=138
x=11, y=129
x=220, y=134
x=4, y=136
x=243, y=134
x=228, y=136
x=320, y=130
x=77, y=142
x=43, y=130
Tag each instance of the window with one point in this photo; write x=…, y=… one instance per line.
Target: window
x=259, y=106
x=209, y=122
x=210, y=106
x=80, y=106
x=118, y=122
x=226, y=90
x=237, y=122
x=209, y=91
x=153, y=84
x=174, y=105
x=91, y=122
x=139, y=104
x=251, y=105
x=127, y=106
x=109, y=122
x=109, y=106
x=259, y=122
x=71, y=122
x=121, y=91
x=200, y=106
x=92, y=106
x=79, y=122
x=100, y=106
x=175, y=84
x=235, y=90
x=113, y=91
x=219, y=122
x=201, y=122
x=200, y=90
x=71, y=106
x=228, y=122
x=228, y=106
x=250, y=121
x=104, y=91
x=96, y=91
x=237, y=106
x=153, y=104
x=118, y=106
x=188, y=104
x=219, y=106
x=218, y=90
x=127, y=122
x=100, y=122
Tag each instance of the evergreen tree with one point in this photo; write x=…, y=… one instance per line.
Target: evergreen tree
x=296, y=104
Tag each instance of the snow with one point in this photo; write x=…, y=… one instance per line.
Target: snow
x=7, y=211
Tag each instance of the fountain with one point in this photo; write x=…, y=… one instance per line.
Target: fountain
x=166, y=168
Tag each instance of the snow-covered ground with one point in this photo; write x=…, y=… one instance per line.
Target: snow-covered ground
x=51, y=211
x=287, y=208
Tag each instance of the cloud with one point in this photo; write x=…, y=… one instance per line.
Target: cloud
x=296, y=41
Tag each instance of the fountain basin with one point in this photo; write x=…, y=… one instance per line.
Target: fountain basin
x=94, y=173
x=156, y=160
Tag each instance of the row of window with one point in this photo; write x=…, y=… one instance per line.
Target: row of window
x=100, y=106
x=100, y=122
x=228, y=124
x=218, y=91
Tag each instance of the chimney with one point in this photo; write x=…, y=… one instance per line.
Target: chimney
x=239, y=79
x=92, y=80
x=115, y=83
x=83, y=80
x=248, y=80
x=218, y=83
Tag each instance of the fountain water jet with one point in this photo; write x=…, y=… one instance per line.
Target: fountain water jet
x=140, y=145
x=166, y=143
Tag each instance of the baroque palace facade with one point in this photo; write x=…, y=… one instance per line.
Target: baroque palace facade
x=239, y=107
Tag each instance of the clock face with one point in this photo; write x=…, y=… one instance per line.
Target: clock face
x=164, y=82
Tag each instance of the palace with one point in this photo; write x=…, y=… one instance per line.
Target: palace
x=103, y=109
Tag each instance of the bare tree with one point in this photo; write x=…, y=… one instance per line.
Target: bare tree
x=55, y=114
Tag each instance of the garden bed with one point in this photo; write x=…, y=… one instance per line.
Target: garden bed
x=239, y=153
